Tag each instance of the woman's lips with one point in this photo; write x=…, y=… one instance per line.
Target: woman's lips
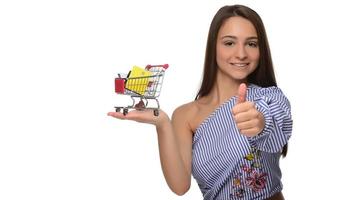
x=239, y=64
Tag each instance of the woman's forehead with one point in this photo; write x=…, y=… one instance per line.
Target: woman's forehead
x=238, y=27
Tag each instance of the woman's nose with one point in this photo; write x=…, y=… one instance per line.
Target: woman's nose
x=241, y=52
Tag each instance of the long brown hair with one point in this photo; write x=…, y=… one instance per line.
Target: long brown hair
x=264, y=73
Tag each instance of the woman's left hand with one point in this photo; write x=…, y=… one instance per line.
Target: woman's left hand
x=248, y=119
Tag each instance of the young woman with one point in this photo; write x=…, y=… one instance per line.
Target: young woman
x=231, y=137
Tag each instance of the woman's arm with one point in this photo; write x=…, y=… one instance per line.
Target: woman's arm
x=275, y=108
x=175, y=144
x=267, y=122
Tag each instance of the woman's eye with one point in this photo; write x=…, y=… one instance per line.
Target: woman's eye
x=253, y=44
x=229, y=43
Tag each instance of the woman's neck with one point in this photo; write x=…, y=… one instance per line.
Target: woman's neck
x=224, y=88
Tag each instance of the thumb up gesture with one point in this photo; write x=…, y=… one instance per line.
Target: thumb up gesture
x=248, y=119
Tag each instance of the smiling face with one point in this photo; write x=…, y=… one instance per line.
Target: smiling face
x=237, y=50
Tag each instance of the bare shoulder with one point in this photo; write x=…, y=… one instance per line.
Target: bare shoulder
x=185, y=114
x=186, y=108
x=185, y=111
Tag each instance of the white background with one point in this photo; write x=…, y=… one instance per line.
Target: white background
x=58, y=61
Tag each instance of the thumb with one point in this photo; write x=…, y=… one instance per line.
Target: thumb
x=242, y=93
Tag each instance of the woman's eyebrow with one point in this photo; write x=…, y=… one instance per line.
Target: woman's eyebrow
x=252, y=38
x=229, y=36
x=234, y=37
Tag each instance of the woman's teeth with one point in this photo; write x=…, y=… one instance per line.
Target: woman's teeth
x=240, y=64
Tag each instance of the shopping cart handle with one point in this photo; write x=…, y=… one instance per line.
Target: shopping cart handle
x=165, y=66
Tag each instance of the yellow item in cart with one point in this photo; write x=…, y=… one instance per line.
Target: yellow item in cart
x=138, y=80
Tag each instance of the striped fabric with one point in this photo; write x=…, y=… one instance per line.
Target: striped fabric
x=228, y=165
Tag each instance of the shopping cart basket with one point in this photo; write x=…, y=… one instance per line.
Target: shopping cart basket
x=142, y=84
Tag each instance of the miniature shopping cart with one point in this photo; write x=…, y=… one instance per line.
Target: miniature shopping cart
x=143, y=84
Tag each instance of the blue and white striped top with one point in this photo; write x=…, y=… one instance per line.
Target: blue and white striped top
x=228, y=165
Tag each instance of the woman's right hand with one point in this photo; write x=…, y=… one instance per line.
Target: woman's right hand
x=143, y=116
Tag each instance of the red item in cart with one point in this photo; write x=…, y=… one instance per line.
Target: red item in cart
x=119, y=85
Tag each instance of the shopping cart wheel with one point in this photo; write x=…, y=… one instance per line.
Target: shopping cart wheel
x=125, y=111
x=156, y=112
x=118, y=109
